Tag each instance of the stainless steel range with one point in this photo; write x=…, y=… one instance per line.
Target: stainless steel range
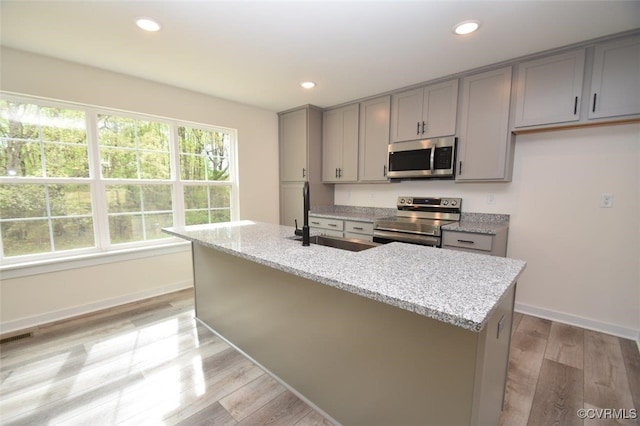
x=418, y=220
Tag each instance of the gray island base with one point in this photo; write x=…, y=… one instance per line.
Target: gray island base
x=360, y=359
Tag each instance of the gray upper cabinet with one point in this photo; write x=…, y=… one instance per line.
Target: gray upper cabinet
x=300, y=157
x=615, y=84
x=340, y=144
x=549, y=90
x=427, y=112
x=293, y=145
x=374, y=139
x=484, y=141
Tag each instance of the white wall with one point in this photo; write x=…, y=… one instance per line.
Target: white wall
x=31, y=300
x=583, y=261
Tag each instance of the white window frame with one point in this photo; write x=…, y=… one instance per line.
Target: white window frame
x=104, y=251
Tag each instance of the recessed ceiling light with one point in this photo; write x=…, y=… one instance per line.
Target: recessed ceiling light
x=308, y=84
x=466, y=27
x=148, y=24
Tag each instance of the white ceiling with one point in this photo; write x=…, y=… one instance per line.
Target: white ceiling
x=257, y=52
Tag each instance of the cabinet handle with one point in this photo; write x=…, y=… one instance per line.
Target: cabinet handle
x=358, y=228
x=339, y=173
x=594, y=102
x=418, y=128
x=575, y=106
x=423, y=127
x=304, y=172
x=460, y=169
x=333, y=224
x=336, y=172
x=466, y=241
x=315, y=223
x=384, y=170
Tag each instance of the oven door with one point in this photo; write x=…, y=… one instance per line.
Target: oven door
x=385, y=237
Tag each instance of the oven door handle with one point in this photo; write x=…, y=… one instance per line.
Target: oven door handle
x=395, y=231
x=410, y=238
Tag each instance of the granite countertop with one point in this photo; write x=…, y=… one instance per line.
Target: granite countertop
x=361, y=214
x=455, y=287
x=480, y=223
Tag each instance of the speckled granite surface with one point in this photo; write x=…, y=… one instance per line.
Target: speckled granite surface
x=454, y=287
x=362, y=214
x=480, y=223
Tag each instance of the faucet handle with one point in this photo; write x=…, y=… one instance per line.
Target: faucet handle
x=297, y=232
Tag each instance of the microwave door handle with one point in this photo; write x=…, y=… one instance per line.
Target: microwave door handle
x=432, y=159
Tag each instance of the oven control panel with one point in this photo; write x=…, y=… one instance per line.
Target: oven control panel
x=429, y=202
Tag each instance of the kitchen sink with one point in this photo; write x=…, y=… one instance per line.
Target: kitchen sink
x=350, y=244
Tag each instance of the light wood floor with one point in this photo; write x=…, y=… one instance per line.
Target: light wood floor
x=151, y=363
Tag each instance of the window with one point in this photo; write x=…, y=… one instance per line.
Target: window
x=204, y=166
x=76, y=179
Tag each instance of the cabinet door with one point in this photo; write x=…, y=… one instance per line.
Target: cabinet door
x=291, y=204
x=350, y=129
x=406, y=115
x=331, y=144
x=615, y=85
x=340, y=144
x=484, y=141
x=549, y=89
x=439, y=109
x=293, y=145
x=374, y=139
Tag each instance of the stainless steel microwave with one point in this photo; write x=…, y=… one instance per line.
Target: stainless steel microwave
x=429, y=158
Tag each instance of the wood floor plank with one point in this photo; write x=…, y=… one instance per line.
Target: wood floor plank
x=314, y=419
x=606, y=383
x=558, y=395
x=631, y=357
x=251, y=397
x=566, y=345
x=151, y=363
x=160, y=392
x=528, y=345
x=213, y=415
x=285, y=410
x=132, y=344
x=599, y=417
x=517, y=317
x=51, y=396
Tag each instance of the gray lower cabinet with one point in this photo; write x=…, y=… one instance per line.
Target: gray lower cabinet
x=341, y=228
x=358, y=230
x=485, y=145
x=492, y=244
x=327, y=226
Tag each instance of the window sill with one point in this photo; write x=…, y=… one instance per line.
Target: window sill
x=82, y=261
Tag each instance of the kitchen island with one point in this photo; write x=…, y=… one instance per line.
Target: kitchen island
x=396, y=334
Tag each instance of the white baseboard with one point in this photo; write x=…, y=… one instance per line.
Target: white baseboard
x=38, y=320
x=589, y=324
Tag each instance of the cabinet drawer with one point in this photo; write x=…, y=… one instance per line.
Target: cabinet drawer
x=467, y=240
x=358, y=227
x=325, y=223
x=354, y=235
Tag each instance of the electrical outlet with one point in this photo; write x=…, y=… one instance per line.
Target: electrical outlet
x=491, y=199
x=606, y=200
